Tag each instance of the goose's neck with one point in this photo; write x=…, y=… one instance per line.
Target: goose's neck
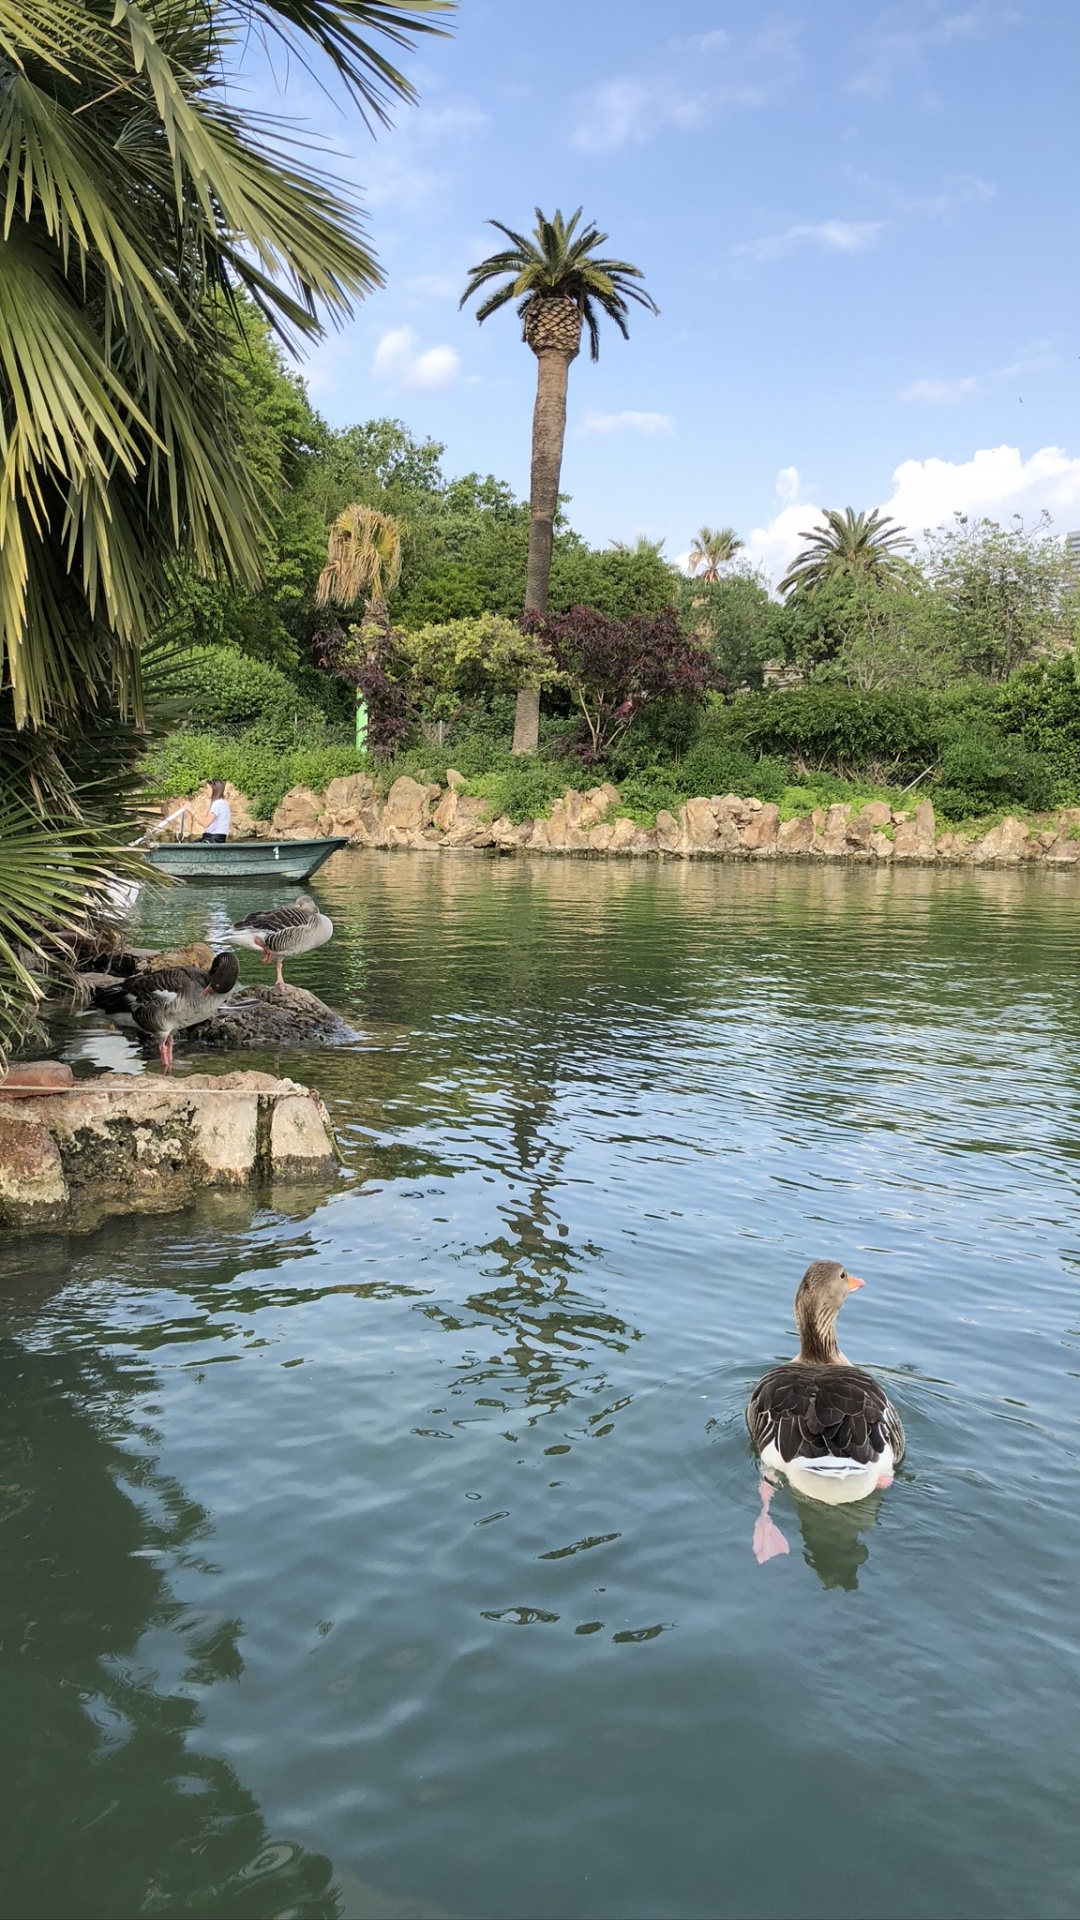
x=817, y=1337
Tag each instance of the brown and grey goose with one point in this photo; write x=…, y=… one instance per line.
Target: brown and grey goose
x=159, y=1003
x=278, y=932
x=826, y=1426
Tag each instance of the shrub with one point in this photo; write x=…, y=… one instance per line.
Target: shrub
x=224, y=690
x=186, y=759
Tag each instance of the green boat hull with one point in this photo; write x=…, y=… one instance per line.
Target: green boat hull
x=244, y=859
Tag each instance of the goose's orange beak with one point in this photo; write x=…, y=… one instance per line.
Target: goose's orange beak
x=853, y=1283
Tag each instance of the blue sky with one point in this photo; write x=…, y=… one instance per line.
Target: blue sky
x=862, y=227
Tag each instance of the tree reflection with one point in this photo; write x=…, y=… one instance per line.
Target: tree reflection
x=109, y=1808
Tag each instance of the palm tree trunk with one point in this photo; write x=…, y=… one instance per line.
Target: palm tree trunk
x=549, y=432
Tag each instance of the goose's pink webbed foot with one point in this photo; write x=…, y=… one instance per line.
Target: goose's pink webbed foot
x=768, y=1539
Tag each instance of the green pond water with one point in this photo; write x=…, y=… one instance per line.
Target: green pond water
x=386, y=1552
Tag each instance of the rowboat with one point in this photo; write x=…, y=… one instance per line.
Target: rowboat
x=244, y=859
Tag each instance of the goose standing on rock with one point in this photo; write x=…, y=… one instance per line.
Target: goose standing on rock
x=279, y=931
x=159, y=1003
x=823, y=1424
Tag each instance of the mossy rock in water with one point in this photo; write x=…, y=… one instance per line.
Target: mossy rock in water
x=284, y=1016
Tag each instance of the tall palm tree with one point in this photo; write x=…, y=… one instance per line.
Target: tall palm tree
x=713, y=548
x=140, y=202
x=852, y=545
x=561, y=282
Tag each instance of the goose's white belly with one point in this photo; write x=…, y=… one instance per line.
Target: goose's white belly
x=836, y=1483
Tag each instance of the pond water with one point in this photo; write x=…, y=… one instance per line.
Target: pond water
x=387, y=1552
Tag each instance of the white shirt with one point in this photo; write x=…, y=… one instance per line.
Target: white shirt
x=220, y=817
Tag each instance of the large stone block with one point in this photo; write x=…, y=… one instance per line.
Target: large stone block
x=699, y=826
x=299, y=816
x=300, y=1137
x=130, y=1143
x=33, y=1190
x=915, y=838
x=407, y=809
x=795, y=836
x=1006, y=844
x=667, y=832
x=761, y=831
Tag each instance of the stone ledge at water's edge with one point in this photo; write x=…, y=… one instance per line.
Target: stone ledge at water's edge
x=429, y=816
x=138, y=1144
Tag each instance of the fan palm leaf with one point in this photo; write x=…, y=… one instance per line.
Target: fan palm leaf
x=363, y=558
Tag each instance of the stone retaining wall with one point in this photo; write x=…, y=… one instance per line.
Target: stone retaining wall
x=433, y=817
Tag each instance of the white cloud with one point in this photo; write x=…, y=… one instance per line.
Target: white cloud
x=956, y=191
x=788, y=484
x=627, y=422
x=994, y=484
x=931, y=392
x=713, y=72
x=938, y=393
x=399, y=361
x=890, y=54
x=832, y=236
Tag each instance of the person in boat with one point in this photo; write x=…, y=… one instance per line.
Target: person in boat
x=216, y=822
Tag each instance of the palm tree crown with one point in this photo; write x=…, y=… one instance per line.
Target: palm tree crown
x=712, y=549
x=870, y=545
x=558, y=264
x=363, y=556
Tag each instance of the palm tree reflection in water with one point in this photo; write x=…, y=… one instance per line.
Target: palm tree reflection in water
x=556, y=1335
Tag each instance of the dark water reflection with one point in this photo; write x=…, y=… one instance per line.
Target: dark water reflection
x=387, y=1552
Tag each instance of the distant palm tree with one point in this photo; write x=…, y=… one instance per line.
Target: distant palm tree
x=866, y=545
x=713, y=548
x=561, y=282
x=641, y=545
x=363, y=557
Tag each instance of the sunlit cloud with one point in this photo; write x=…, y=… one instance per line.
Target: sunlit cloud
x=402, y=364
x=886, y=55
x=826, y=236
x=995, y=484
x=940, y=393
x=710, y=72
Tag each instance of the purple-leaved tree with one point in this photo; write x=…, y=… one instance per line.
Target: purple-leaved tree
x=616, y=668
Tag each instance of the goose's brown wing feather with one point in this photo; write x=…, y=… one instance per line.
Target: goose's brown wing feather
x=277, y=919
x=812, y=1411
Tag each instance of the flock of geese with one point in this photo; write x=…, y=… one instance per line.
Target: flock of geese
x=823, y=1426
x=159, y=1004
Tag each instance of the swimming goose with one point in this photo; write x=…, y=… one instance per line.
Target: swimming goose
x=823, y=1424
x=278, y=931
x=158, y=1004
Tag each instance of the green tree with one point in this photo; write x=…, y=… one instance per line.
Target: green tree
x=732, y=616
x=1004, y=594
x=713, y=549
x=561, y=282
x=849, y=544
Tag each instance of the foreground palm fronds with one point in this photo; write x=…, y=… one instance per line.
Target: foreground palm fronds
x=137, y=200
